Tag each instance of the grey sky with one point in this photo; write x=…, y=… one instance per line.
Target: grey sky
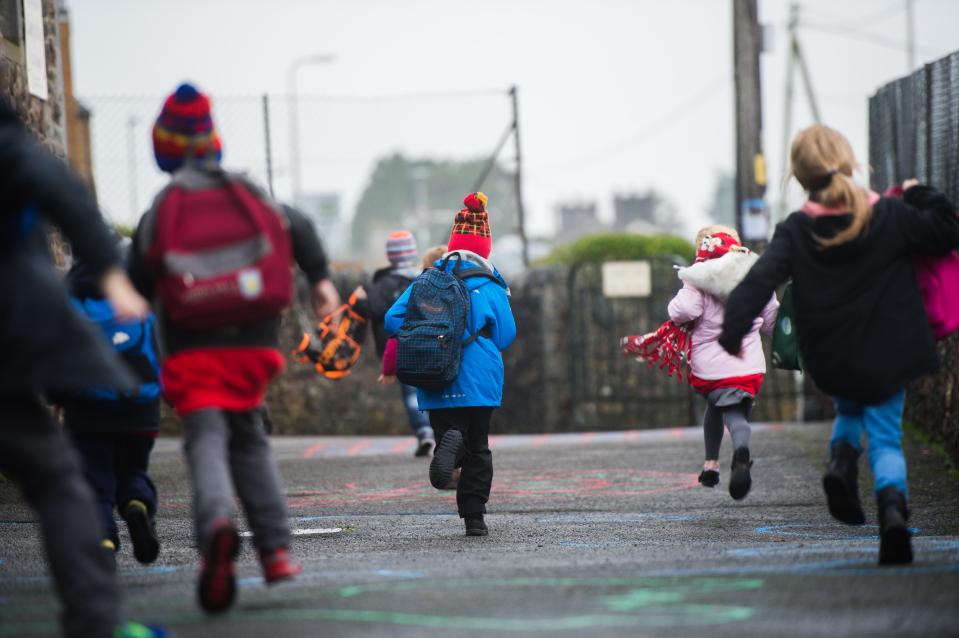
x=616, y=95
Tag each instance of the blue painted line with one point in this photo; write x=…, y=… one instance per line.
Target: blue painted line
x=923, y=545
x=610, y=517
x=784, y=530
x=307, y=519
x=842, y=567
x=592, y=545
x=399, y=573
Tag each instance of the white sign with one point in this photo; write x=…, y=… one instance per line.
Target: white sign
x=627, y=279
x=36, y=48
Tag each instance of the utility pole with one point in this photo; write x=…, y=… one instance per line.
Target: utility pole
x=752, y=217
x=132, y=166
x=796, y=59
x=268, y=143
x=520, y=210
x=910, y=36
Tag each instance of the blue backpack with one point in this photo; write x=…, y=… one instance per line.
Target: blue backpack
x=135, y=342
x=430, y=341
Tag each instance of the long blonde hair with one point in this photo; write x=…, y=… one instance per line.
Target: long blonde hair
x=822, y=161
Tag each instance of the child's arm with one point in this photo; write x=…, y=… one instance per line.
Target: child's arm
x=388, y=368
x=748, y=299
x=931, y=226
x=770, y=312
x=503, y=324
x=397, y=313
x=686, y=306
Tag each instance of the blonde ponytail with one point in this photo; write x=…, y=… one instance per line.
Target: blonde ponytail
x=822, y=161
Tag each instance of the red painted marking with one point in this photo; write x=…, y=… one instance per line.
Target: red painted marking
x=358, y=447
x=495, y=439
x=540, y=440
x=632, y=435
x=401, y=446
x=676, y=433
x=586, y=437
x=313, y=449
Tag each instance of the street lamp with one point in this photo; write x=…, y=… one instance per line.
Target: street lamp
x=291, y=90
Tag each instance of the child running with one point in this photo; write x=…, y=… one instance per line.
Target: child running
x=217, y=254
x=729, y=384
x=115, y=432
x=388, y=284
x=862, y=329
x=47, y=347
x=460, y=413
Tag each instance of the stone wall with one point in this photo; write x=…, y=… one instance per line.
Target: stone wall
x=933, y=401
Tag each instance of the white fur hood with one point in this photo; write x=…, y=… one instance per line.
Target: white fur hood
x=719, y=276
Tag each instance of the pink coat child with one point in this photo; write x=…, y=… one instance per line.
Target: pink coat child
x=729, y=383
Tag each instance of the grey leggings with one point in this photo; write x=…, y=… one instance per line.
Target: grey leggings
x=228, y=453
x=734, y=417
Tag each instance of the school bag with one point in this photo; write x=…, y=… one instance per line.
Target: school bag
x=430, y=342
x=785, y=350
x=135, y=341
x=338, y=347
x=939, y=283
x=223, y=256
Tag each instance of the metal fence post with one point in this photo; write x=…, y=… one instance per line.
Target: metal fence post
x=268, y=144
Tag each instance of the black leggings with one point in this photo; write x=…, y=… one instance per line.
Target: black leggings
x=733, y=417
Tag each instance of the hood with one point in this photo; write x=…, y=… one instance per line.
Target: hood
x=719, y=276
x=470, y=261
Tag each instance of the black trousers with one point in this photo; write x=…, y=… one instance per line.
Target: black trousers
x=476, y=479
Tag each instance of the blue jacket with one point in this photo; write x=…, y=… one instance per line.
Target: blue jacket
x=480, y=381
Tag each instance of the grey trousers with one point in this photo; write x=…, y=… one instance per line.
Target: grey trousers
x=48, y=471
x=229, y=455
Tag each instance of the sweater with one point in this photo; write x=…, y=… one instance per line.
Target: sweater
x=860, y=321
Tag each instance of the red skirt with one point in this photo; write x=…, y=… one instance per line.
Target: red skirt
x=750, y=383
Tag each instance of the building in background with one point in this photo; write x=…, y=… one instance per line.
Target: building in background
x=76, y=115
x=575, y=219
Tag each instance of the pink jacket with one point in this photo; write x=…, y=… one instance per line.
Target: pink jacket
x=702, y=300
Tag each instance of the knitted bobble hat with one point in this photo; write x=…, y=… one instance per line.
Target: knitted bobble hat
x=717, y=245
x=184, y=129
x=401, y=249
x=471, y=227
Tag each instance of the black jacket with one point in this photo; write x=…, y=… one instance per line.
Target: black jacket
x=388, y=284
x=45, y=344
x=860, y=320
x=307, y=252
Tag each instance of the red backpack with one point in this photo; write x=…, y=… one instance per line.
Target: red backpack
x=223, y=257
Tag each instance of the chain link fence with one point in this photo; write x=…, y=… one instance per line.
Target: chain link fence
x=914, y=128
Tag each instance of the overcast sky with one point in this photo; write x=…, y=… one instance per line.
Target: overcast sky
x=615, y=95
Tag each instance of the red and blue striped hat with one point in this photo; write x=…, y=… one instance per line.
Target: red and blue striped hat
x=185, y=129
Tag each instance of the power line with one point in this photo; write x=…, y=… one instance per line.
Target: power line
x=864, y=36
x=305, y=97
x=643, y=134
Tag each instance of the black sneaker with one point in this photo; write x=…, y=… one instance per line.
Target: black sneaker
x=475, y=525
x=146, y=545
x=444, y=458
x=841, y=484
x=895, y=539
x=709, y=478
x=424, y=446
x=739, y=479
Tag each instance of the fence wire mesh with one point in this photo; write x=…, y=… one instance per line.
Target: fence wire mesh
x=914, y=128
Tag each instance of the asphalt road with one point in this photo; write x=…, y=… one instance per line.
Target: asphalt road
x=590, y=535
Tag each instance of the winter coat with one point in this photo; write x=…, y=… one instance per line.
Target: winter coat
x=388, y=285
x=46, y=345
x=862, y=328
x=702, y=300
x=307, y=252
x=480, y=381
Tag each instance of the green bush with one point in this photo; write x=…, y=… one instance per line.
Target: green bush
x=620, y=246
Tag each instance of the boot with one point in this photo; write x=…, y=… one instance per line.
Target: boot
x=895, y=539
x=277, y=566
x=740, y=479
x=475, y=525
x=444, y=458
x=841, y=484
x=142, y=528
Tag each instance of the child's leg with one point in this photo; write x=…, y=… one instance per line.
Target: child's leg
x=475, y=483
x=43, y=463
x=257, y=481
x=206, y=436
x=848, y=425
x=98, y=454
x=419, y=421
x=739, y=430
x=883, y=424
x=133, y=461
x=712, y=431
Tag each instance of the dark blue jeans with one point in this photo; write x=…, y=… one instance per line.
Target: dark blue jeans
x=115, y=466
x=419, y=421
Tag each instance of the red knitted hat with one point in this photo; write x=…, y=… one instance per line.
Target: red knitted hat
x=471, y=227
x=717, y=245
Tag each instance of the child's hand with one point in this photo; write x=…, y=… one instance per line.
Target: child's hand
x=126, y=301
x=909, y=183
x=386, y=379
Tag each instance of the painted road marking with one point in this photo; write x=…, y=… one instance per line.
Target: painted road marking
x=314, y=531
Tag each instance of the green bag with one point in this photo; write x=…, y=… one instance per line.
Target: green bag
x=786, y=354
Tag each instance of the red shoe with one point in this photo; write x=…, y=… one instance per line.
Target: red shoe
x=277, y=566
x=217, y=588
